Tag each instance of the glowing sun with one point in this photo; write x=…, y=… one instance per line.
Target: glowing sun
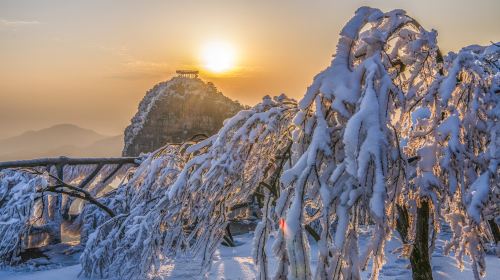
x=218, y=56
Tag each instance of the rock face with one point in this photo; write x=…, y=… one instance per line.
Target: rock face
x=174, y=111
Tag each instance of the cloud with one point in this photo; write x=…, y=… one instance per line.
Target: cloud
x=129, y=67
x=140, y=69
x=135, y=76
x=148, y=66
x=17, y=23
x=121, y=51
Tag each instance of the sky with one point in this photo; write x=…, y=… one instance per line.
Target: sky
x=90, y=62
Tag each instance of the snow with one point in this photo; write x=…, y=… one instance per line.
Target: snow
x=479, y=191
x=237, y=263
x=65, y=273
x=448, y=85
x=420, y=113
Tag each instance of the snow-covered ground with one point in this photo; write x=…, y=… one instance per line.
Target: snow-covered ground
x=236, y=263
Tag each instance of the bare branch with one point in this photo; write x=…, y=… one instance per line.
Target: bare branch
x=67, y=161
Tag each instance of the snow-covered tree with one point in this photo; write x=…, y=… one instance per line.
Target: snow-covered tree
x=382, y=118
x=18, y=192
x=129, y=244
x=467, y=143
x=348, y=142
x=35, y=202
x=195, y=188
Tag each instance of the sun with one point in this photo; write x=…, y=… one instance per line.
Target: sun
x=218, y=56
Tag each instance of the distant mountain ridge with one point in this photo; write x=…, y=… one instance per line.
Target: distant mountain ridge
x=60, y=140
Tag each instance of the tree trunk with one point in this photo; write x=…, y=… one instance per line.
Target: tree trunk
x=494, y=230
x=419, y=258
x=56, y=207
x=68, y=161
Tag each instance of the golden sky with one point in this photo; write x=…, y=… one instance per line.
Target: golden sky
x=90, y=62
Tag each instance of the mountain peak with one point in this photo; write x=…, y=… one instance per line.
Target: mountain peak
x=174, y=111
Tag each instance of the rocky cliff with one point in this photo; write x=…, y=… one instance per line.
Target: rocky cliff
x=174, y=111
